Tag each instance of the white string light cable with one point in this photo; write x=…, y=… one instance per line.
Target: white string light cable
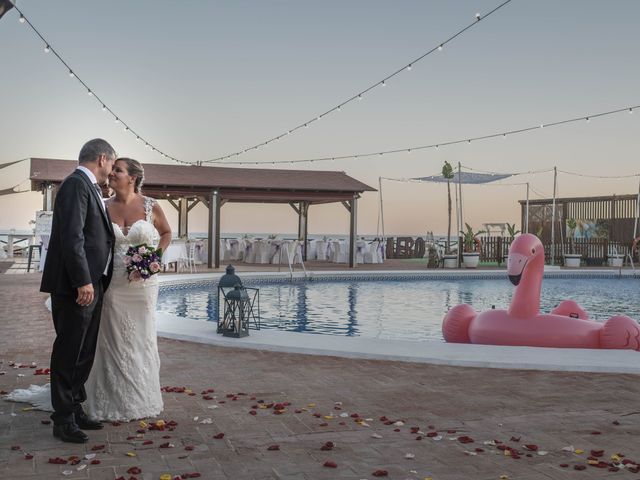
x=436, y=146
x=73, y=74
x=360, y=95
x=616, y=177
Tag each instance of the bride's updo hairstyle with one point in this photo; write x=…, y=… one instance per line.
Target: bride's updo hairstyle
x=134, y=168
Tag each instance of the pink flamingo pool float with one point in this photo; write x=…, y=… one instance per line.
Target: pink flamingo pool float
x=567, y=326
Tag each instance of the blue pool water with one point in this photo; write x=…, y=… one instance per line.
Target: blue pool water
x=399, y=309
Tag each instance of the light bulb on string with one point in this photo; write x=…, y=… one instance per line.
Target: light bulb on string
x=47, y=49
x=409, y=67
x=71, y=74
x=631, y=110
x=360, y=96
x=478, y=17
x=90, y=93
x=587, y=119
x=117, y=120
x=384, y=84
x=22, y=19
x=339, y=109
x=104, y=108
x=440, y=47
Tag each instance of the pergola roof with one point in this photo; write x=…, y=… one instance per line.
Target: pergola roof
x=233, y=184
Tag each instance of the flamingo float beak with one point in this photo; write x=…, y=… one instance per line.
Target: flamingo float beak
x=515, y=266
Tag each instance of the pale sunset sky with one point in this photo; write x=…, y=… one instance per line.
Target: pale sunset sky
x=201, y=79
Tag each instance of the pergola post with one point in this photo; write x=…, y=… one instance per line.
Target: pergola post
x=183, y=217
x=353, y=226
x=303, y=215
x=213, y=240
x=49, y=197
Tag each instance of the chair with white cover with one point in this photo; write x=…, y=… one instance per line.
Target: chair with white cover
x=322, y=249
x=339, y=251
x=371, y=254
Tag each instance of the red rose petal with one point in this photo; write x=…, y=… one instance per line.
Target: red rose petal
x=219, y=436
x=28, y=456
x=147, y=442
x=134, y=471
x=616, y=422
x=564, y=465
x=380, y=473
x=95, y=462
x=253, y=412
x=532, y=447
x=515, y=439
x=273, y=448
x=432, y=434
x=97, y=447
x=116, y=424
x=597, y=453
x=45, y=422
x=330, y=464
x=15, y=447
x=324, y=424
x=465, y=439
x=579, y=467
x=596, y=433
x=189, y=448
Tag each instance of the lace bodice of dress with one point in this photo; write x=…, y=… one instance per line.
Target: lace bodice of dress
x=142, y=231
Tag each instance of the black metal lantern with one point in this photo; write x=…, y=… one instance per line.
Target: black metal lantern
x=239, y=303
x=237, y=311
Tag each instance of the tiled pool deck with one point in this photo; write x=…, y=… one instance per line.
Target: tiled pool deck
x=543, y=409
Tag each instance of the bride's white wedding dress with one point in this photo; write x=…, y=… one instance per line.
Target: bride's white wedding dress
x=124, y=383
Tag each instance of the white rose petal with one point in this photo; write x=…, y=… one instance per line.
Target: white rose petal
x=376, y=435
x=410, y=456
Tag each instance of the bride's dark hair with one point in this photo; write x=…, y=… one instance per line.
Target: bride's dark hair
x=134, y=168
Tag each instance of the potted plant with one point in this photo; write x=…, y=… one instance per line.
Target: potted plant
x=471, y=246
x=450, y=259
x=571, y=259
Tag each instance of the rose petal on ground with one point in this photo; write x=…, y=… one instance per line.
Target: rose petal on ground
x=380, y=473
x=134, y=471
x=330, y=464
x=219, y=436
x=273, y=448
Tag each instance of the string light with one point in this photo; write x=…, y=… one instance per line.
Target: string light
x=48, y=48
x=453, y=142
x=381, y=83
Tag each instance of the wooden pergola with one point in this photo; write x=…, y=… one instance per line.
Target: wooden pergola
x=186, y=186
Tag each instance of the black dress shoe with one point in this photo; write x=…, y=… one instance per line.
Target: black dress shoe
x=69, y=432
x=85, y=423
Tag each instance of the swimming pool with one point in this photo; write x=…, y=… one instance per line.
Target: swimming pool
x=409, y=309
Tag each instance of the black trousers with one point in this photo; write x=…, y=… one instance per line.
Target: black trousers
x=73, y=352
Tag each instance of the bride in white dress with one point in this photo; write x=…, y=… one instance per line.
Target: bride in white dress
x=124, y=383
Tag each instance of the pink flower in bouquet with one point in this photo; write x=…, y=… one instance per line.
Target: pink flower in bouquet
x=127, y=260
x=135, y=276
x=154, y=267
x=142, y=250
x=136, y=258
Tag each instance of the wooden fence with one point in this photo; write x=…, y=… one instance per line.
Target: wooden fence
x=594, y=252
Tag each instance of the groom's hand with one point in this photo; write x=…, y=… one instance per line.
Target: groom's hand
x=85, y=295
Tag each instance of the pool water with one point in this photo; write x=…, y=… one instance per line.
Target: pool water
x=399, y=309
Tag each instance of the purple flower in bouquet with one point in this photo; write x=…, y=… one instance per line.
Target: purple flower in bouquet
x=142, y=261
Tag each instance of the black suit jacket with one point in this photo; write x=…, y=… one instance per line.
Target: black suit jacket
x=81, y=241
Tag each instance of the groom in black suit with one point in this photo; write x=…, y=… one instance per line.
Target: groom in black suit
x=77, y=271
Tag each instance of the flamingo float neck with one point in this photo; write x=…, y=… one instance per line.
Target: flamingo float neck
x=525, y=267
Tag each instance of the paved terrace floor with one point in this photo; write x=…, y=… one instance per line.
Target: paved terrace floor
x=354, y=404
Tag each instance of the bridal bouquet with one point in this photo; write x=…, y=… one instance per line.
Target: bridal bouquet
x=142, y=261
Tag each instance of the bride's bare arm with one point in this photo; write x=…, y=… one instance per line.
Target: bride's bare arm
x=162, y=225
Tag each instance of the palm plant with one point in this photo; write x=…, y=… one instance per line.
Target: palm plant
x=511, y=230
x=469, y=238
x=447, y=172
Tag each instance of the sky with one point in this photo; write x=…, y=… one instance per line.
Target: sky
x=201, y=79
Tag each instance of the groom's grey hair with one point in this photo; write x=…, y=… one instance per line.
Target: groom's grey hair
x=93, y=149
